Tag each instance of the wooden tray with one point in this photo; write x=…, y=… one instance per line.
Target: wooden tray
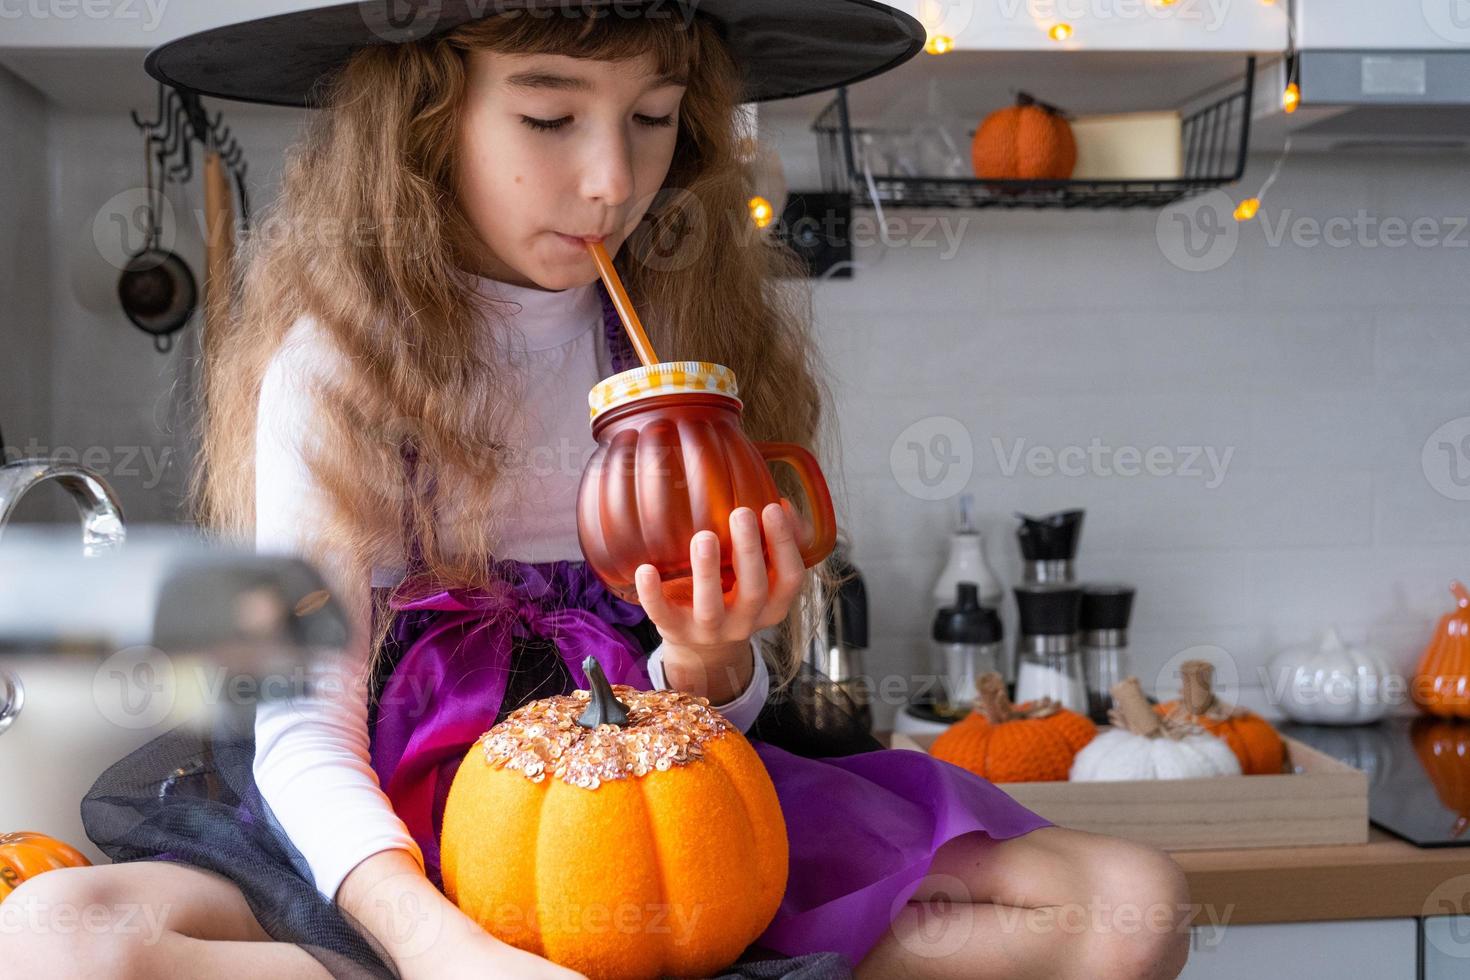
x=1322, y=801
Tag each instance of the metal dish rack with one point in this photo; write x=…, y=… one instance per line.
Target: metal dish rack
x=1215, y=137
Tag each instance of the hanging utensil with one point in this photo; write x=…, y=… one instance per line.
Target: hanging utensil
x=219, y=245
x=157, y=289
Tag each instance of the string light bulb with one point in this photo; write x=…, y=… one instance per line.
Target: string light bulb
x=1246, y=209
x=761, y=211
x=1291, y=97
x=939, y=44
x=1060, y=32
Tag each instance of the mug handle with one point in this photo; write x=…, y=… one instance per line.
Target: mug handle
x=824, y=521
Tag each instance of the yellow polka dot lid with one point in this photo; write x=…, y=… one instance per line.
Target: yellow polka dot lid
x=664, y=378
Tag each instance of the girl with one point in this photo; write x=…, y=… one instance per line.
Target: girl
x=402, y=400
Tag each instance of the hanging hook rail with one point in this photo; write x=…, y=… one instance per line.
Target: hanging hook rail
x=182, y=121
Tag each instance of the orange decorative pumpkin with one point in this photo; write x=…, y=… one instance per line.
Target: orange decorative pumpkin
x=1027, y=141
x=617, y=832
x=1442, y=680
x=25, y=854
x=1032, y=742
x=1253, y=739
x=1443, y=748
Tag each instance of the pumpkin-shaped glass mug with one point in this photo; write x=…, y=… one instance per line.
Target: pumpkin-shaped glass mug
x=672, y=459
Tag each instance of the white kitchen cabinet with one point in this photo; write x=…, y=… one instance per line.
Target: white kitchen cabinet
x=1384, y=949
x=1132, y=53
x=988, y=25
x=1383, y=25
x=123, y=24
x=1446, y=944
x=1104, y=25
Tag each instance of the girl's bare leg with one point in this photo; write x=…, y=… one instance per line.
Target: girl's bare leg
x=143, y=919
x=1052, y=903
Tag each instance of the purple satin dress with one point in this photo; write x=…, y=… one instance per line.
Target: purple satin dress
x=863, y=828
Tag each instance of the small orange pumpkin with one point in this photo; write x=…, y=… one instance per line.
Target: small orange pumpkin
x=1442, y=679
x=1252, y=738
x=26, y=853
x=1004, y=743
x=1443, y=748
x=1030, y=140
x=656, y=847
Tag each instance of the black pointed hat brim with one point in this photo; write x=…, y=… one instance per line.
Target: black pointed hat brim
x=784, y=48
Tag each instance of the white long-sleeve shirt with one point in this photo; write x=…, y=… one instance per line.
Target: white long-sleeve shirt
x=312, y=763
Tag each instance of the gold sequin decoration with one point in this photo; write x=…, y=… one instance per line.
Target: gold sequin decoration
x=664, y=729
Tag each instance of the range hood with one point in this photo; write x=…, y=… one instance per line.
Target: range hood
x=1377, y=75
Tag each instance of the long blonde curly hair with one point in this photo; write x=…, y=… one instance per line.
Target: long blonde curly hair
x=375, y=169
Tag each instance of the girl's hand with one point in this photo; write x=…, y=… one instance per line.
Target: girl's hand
x=490, y=957
x=471, y=953
x=426, y=935
x=465, y=951
x=718, y=626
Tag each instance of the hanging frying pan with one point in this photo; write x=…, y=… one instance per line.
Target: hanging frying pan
x=157, y=289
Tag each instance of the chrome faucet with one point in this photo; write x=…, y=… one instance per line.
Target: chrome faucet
x=101, y=513
x=170, y=592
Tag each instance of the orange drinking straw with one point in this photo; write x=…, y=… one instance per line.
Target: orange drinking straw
x=631, y=323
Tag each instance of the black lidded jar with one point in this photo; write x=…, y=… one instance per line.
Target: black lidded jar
x=968, y=642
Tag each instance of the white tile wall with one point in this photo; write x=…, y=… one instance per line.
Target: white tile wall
x=25, y=338
x=1322, y=369
x=97, y=385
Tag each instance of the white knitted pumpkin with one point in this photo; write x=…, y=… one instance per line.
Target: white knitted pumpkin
x=1142, y=745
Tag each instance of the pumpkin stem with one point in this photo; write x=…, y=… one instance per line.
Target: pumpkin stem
x=1462, y=596
x=993, y=701
x=1040, y=708
x=1197, y=676
x=997, y=707
x=1132, y=710
x=1027, y=99
x=603, y=707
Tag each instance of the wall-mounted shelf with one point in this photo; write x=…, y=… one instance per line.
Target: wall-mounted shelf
x=1216, y=138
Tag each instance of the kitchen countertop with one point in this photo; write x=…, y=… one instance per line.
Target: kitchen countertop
x=1385, y=878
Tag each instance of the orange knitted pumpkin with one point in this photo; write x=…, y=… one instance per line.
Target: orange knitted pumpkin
x=657, y=846
x=1034, y=742
x=1027, y=141
x=1443, y=748
x=25, y=854
x=1442, y=679
x=1254, y=741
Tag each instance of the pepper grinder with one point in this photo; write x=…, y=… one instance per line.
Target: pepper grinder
x=1103, y=621
x=1049, y=545
x=1046, y=646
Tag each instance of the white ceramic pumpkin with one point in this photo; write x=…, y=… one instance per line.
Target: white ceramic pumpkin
x=1333, y=683
x=1143, y=745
